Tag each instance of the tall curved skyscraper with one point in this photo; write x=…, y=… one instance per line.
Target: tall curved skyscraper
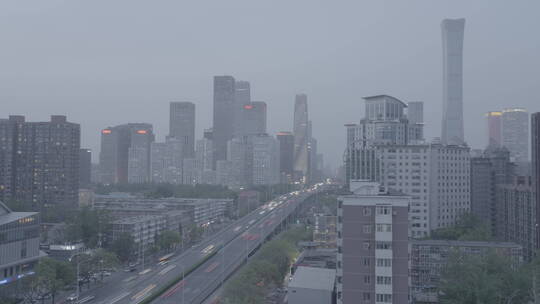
x=301, y=137
x=452, y=40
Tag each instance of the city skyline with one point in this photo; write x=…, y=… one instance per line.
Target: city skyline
x=97, y=86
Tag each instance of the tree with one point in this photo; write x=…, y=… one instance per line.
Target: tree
x=195, y=232
x=88, y=225
x=123, y=247
x=489, y=279
x=468, y=228
x=51, y=276
x=168, y=240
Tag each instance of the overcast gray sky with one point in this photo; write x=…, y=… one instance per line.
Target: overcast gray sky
x=107, y=62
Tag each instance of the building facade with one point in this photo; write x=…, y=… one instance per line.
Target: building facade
x=166, y=161
x=373, y=232
x=494, y=126
x=182, y=126
x=125, y=148
x=265, y=160
x=224, y=118
x=452, y=43
x=286, y=155
x=19, y=247
x=85, y=167
x=39, y=161
x=301, y=137
x=515, y=133
x=516, y=214
x=535, y=142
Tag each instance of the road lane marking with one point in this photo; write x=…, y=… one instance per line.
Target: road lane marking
x=147, y=270
x=118, y=298
x=167, y=269
x=143, y=292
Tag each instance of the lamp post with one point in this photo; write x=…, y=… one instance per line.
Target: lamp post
x=77, y=254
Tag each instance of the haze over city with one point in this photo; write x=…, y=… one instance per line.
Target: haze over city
x=269, y=152
x=109, y=62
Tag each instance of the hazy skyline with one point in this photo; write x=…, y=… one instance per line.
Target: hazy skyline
x=105, y=63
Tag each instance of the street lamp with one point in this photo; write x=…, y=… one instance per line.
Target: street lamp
x=77, y=254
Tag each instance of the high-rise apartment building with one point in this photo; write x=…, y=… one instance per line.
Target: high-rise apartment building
x=182, y=126
x=85, y=167
x=490, y=169
x=494, y=128
x=452, y=42
x=224, y=114
x=535, y=154
x=301, y=137
x=286, y=154
x=436, y=177
x=516, y=216
x=125, y=153
x=515, y=133
x=39, y=161
x=373, y=232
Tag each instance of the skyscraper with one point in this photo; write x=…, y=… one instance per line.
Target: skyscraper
x=301, y=137
x=253, y=117
x=182, y=126
x=224, y=110
x=494, y=128
x=515, y=133
x=139, y=155
x=535, y=141
x=116, y=152
x=452, y=42
x=242, y=98
x=166, y=161
x=39, y=161
x=372, y=259
x=265, y=160
x=85, y=167
x=286, y=152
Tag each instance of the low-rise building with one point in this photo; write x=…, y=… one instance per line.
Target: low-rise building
x=143, y=229
x=312, y=285
x=429, y=257
x=19, y=246
x=198, y=211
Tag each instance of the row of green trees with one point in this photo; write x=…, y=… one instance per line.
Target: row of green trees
x=266, y=270
x=489, y=279
x=52, y=276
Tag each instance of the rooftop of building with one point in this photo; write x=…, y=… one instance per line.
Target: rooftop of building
x=465, y=243
x=7, y=216
x=313, y=278
x=136, y=219
x=383, y=96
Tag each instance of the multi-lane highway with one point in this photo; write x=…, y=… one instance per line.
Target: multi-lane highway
x=226, y=251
